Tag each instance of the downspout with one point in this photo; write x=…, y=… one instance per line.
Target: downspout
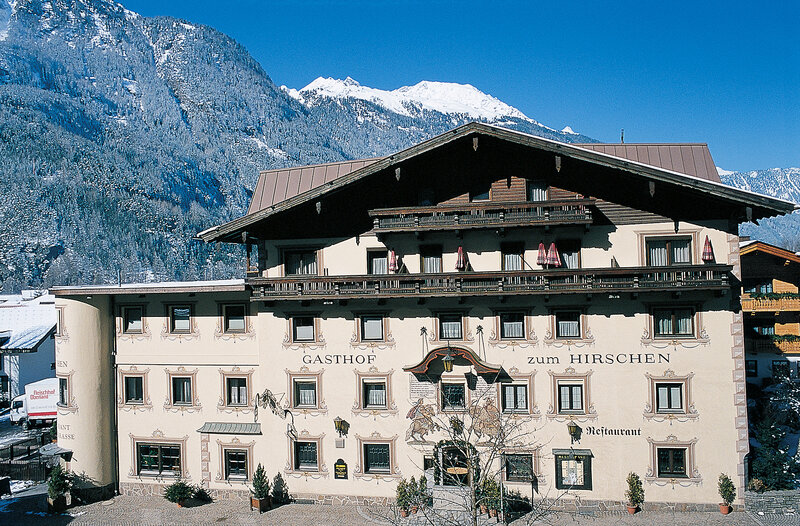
x=115, y=432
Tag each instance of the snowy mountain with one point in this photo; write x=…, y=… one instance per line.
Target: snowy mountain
x=783, y=183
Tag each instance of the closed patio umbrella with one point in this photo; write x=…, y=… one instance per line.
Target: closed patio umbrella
x=552, y=256
x=392, y=261
x=541, y=258
x=708, y=251
x=461, y=260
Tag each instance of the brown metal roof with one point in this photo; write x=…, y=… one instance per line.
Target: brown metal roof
x=279, y=185
x=691, y=159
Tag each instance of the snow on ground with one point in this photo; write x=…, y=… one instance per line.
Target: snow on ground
x=21, y=485
x=6, y=10
x=444, y=97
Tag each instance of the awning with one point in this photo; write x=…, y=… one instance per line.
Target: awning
x=230, y=428
x=432, y=363
x=53, y=449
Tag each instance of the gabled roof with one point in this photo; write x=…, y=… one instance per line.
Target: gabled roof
x=282, y=200
x=688, y=158
x=26, y=321
x=759, y=246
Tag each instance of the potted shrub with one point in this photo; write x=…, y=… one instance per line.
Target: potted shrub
x=403, y=497
x=635, y=493
x=259, y=498
x=728, y=493
x=280, y=491
x=414, y=496
x=491, y=495
x=425, y=499
x=54, y=432
x=480, y=497
x=58, y=485
x=179, y=492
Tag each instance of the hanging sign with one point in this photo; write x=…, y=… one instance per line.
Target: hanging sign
x=340, y=469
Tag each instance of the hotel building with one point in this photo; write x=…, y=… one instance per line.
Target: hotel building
x=591, y=285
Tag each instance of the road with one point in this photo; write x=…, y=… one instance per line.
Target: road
x=11, y=433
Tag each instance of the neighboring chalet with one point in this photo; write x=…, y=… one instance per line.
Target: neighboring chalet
x=28, y=322
x=591, y=285
x=771, y=308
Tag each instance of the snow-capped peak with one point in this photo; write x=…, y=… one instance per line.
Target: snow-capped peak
x=722, y=171
x=568, y=129
x=443, y=97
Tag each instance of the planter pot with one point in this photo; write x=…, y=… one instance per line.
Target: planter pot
x=57, y=505
x=632, y=509
x=483, y=509
x=404, y=513
x=724, y=509
x=181, y=503
x=261, y=505
x=414, y=509
x=492, y=513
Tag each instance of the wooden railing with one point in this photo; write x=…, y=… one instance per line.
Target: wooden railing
x=767, y=345
x=561, y=281
x=482, y=215
x=750, y=304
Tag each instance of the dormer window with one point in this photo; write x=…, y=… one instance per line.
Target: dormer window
x=537, y=190
x=480, y=194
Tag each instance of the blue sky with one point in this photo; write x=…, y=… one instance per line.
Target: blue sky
x=724, y=73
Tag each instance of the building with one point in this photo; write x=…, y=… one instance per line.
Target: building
x=28, y=322
x=589, y=285
x=771, y=308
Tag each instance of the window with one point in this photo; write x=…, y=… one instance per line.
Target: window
x=519, y=468
x=431, y=259
x=765, y=330
x=454, y=397
x=568, y=324
x=372, y=328
x=181, y=390
x=300, y=262
x=512, y=326
x=376, y=458
x=672, y=323
x=570, y=397
x=668, y=251
x=537, y=190
x=134, y=389
x=515, y=398
x=236, y=391
x=513, y=256
x=751, y=368
x=132, y=320
x=570, y=254
x=63, y=391
x=305, y=393
x=59, y=326
x=305, y=456
x=234, y=318
x=450, y=326
x=780, y=368
x=235, y=464
x=759, y=287
x=377, y=262
x=303, y=329
x=426, y=197
x=374, y=393
x=669, y=398
x=158, y=459
x=671, y=462
x=573, y=470
x=180, y=319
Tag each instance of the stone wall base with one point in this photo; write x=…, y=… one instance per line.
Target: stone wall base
x=141, y=489
x=780, y=502
x=577, y=505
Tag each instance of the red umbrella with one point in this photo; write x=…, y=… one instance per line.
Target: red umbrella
x=461, y=260
x=552, y=256
x=542, y=257
x=392, y=261
x=708, y=251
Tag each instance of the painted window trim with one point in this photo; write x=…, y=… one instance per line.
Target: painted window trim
x=305, y=374
x=235, y=445
x=692, y=474
x=124, y=372
x=359, y=407
x=182, y=372
x=651, y=411
x=570, y=375
x=376, y=438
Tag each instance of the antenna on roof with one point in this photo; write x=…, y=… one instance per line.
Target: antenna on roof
x=622, y=136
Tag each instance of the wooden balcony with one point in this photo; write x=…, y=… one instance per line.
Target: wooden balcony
x=482, y=215
x=750, y=304
x=766, y=345
x=505, y=283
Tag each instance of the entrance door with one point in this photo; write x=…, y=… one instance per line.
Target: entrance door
x=454, y=464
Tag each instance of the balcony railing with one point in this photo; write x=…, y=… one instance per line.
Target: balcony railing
x=767, y=345
x=750, y=304
x=482, y=215
x=542, y=282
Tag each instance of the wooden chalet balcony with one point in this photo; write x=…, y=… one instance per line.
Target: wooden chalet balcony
x=482, y=215
x=501, y=283
x=750, y=304
x=766, y=345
